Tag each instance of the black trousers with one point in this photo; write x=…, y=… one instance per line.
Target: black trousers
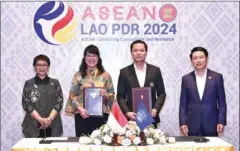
x=88, y=125
x=155, y=124
x=47, y=131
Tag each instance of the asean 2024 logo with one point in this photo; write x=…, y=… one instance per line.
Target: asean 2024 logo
x=55, y=23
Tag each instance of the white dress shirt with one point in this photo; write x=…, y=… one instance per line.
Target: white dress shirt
x=141, y=74
x=201, y=81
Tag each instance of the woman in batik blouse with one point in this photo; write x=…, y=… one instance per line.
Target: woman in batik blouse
x=91, y=74
x=42, y=100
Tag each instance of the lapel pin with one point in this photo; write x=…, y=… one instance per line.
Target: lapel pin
x=209, y=78
x=151, y=84
x=35, y=86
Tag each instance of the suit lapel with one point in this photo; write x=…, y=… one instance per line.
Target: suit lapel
x=134, y=76
x=148, y=74
x=195, y=84
x=208, y=81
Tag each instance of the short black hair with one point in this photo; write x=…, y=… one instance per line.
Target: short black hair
x=41, y=57
x=137, y=42
x=199, y=49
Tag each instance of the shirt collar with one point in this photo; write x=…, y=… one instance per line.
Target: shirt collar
x=42, y=81
x=144, y=67
x=93, y=72
x=204, y=75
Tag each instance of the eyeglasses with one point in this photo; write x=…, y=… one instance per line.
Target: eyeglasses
x=42, y=65
x=91, y=56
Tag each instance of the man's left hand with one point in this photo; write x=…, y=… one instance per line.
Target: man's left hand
x=220, y=128
x=154, y=112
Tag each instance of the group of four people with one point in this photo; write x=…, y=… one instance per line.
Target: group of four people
x=202, y=109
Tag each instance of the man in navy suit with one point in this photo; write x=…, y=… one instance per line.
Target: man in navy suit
x=202, y=110
x=140, y=74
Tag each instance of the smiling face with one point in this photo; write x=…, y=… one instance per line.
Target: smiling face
x=91, y=60
x=139, y=52
x=199, y=60
x=41, y=68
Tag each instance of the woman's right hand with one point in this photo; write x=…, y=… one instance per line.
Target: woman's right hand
x=44, y=122
x=83, y=112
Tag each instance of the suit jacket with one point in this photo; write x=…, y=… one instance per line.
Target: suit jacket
x=128, y=80
x=209, y=111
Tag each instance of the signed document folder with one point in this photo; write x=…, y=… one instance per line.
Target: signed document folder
x=142, y=94
x=93, y=102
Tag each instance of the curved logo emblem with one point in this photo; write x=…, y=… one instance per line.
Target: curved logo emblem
x=168, y=12
x=141, y=115
x=54, y=23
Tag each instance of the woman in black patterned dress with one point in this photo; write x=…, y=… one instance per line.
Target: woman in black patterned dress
x=42, y=100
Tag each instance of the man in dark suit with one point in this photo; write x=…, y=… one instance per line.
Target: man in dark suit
x=202, y=110
x=140, y=74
